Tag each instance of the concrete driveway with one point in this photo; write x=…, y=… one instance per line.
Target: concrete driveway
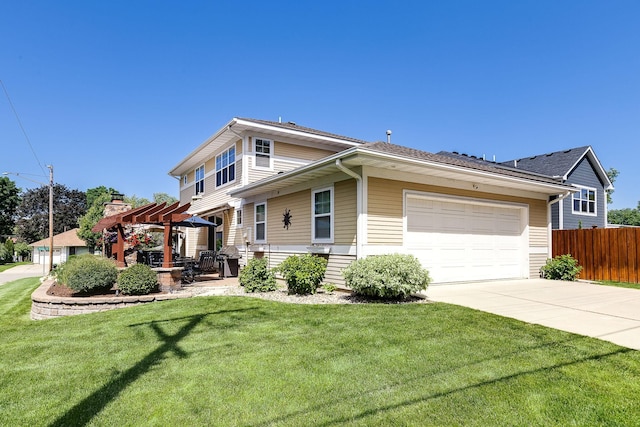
x=20, y=272
x=604, y=312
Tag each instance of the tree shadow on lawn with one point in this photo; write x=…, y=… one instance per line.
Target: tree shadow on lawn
x=91, y=406
x=372, y=412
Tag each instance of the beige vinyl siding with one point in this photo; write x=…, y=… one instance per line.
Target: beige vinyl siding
x=336, y=264
x=538, y=232
x=385, y=206
x=292, y=151
x=345, y=212
x=535, y=262
x=299, y=232
x=384, y=212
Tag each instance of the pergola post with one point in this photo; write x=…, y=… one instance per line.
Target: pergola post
x=120, y=246
x=167, y=261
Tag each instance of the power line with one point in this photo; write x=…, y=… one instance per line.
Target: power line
x=22, y=127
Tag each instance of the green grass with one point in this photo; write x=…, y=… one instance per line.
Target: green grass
x=229, y=361
x=4, y=267
x=620, y=284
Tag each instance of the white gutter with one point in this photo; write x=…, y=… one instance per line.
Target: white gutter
x=359, y=206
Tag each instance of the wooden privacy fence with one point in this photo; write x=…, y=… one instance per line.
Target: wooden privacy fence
x=604, y=253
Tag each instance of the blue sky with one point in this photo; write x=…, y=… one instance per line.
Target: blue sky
x=115, y=93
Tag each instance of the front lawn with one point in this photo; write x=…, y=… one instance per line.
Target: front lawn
x=4, y=267
x=229, y=361
x=620, y=284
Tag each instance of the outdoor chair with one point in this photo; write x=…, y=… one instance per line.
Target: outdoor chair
x=206, y=264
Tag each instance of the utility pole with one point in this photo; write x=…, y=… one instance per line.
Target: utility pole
x=50, y=218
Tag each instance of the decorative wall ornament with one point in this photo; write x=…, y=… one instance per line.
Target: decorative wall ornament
x=286, y=218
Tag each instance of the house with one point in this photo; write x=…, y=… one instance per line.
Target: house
x=64, y=245
x=581, y=168
x=280, y=189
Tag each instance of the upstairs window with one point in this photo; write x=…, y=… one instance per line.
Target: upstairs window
x=261, y=222
x=263, y=152
x=322, y=209
x=584, y=201
x=200, y=180
x=226, y=167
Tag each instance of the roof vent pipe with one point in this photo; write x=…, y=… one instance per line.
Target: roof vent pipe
x=388, y=136
x=515, y=163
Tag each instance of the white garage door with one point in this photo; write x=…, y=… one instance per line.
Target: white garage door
x=463, y=239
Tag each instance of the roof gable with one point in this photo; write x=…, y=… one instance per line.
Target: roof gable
x=562, y=163
x=67, y=239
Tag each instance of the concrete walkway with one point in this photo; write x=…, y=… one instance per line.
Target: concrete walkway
x=604, y=312
x=22, y=271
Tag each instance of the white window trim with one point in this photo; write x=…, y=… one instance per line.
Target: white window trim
x=239, y=217
x=235, y=170
x=196, y=181
x=331, y=215
x=595, y=201
x=255, y=222
x=255, y=153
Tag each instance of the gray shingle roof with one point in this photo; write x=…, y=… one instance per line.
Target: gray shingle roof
x=454, y=159
x=294, y=126
x=558, y=163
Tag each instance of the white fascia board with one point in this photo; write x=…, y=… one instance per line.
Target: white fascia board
x=283, y=176
x=298, y=133
x=556, y=188
x=201, y=147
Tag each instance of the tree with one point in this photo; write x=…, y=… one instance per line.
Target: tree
x=98, y=192
x=625, y=216
x=164, y=197
x=9, y=202
x=33, y=212
x=23, y=251
x=94, y=214
x=612, y=174
x=136, y=201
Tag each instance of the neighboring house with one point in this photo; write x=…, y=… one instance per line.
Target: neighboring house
x=279, y=189
x=581, y=168
x=64, y=245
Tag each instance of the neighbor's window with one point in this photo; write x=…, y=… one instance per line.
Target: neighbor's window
x=226, y=167
x=584, y=201
x=239, y=217
x=261, y=222
x=263, y=152
x=184, y=180
x=322, y=208
x=200, y=180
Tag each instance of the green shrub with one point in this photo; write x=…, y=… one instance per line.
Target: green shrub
x=303, y=273
x=256, y=276
x=562, y=267
x=139, y=279
x=87, y=273
x=386, y=276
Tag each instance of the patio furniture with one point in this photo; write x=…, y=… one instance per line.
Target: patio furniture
x=206, y=264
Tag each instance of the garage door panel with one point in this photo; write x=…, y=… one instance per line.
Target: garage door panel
x=460, y=240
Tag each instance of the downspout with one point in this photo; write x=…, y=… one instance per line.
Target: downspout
x=549, y=234
x=359, y=220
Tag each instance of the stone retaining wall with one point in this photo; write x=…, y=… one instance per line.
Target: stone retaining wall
x=45, y=306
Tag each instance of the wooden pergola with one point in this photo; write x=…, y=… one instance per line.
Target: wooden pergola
x=152, y=214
